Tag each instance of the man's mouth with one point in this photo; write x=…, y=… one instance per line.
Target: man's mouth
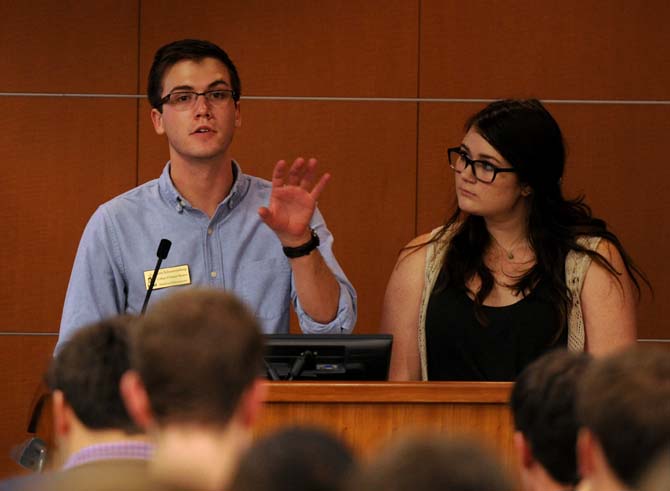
x=203, y=130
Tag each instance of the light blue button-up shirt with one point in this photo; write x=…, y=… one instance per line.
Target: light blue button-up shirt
x=233, y=250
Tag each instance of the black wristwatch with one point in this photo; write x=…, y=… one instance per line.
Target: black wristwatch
x=304, y=249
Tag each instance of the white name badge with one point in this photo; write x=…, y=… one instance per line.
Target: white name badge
x=174, y=276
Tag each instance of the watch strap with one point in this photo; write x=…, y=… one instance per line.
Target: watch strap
x=304, y=249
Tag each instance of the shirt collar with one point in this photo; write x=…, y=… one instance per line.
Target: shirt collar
x=126, y=449
x=241, y=183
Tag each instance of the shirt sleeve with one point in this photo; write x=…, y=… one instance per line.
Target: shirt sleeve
x=347, y=306
x=97, y=284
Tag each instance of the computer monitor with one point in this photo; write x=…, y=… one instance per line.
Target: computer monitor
x=328, y=356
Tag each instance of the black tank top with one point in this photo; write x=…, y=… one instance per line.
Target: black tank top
x=460, y=348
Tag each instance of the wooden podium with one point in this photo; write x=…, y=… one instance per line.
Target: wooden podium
x=367, y=414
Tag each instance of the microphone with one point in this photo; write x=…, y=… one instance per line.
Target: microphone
x=31, y=454
x=299, y=363
x=162, y=252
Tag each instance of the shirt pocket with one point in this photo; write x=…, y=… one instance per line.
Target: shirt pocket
x=266, y=287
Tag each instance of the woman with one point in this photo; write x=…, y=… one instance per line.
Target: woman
x=517, y=269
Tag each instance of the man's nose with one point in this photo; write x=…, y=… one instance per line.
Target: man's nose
x=202, y=105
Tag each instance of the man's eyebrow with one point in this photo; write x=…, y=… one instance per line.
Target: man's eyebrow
x=181, y=87
x=189, y=87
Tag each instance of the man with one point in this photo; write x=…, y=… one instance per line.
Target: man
x=195, y=388
x=266, y=242
x=623, y=404
x=433, y=462
x=99, y=446
x=543, y=405
x=295, y=458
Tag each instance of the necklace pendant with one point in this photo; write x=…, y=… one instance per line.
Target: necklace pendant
x=510, y=255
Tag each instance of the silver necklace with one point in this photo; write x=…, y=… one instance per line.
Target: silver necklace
x=508, y=252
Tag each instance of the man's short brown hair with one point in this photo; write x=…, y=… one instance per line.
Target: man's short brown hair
x=196, y=352
x=543, y=406
x=433, y=462
x=624, y=400
x=88, y=369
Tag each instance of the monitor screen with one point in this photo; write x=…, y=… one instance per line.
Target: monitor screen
x=328, y=356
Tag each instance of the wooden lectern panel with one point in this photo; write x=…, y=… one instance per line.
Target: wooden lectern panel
x=367, y=414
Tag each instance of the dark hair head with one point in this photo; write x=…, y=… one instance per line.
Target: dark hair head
x=295, y=459
x=433, y=463
x=196, y=352
x=186, y=49
x=624, y=400
x=88, y=369
x=543, y=405
x=528, y=138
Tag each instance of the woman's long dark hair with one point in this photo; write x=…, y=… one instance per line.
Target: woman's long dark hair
x=528, y=137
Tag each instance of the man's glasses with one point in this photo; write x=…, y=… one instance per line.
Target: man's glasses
x=185, y=99
x=484, y=171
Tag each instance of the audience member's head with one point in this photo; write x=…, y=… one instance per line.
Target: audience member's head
x=196, y=358
x=196, y=353
x=295, y=459
x=84, y=377
x=543, y=405
x=430, y=463
x=624, y=407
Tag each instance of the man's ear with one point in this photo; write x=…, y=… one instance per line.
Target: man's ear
x=136, y=399
x=585, y=449
x=523, y=452
x=251, y=402
x=157, y=120
x=238, y=115
x=62, y=414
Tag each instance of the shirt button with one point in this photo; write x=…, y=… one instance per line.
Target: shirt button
x=213, y=274
x=210, y=231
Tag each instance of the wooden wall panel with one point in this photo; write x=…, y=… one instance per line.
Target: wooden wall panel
x=440, y=127
x=62, y=157
x=300, y=47
x=554, y=49
x=369, y=148
x=612, y=159
x=23, y=362
x=69, y=46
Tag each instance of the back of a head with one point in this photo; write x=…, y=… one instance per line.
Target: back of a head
x=543, y=404
x=433, y=463
x=196, y=352
x=624, y=400
x=87, y=370
x=295, y=459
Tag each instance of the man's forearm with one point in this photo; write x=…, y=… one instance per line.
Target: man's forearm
x=317, y=288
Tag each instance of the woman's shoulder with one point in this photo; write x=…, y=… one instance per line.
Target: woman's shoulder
x=428, y=243
x=591, y=242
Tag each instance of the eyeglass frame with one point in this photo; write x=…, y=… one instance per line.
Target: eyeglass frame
x=165, y=100
x=471, y=162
